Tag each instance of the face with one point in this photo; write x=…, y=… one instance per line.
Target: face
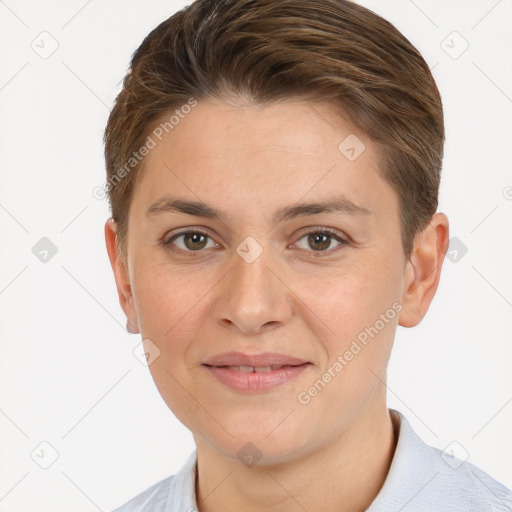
x=295, y=250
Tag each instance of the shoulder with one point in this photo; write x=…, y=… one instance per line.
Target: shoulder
x=463, y=486
x=153, y=499
x=463, y=481
x=423, y=478
x=176, y=492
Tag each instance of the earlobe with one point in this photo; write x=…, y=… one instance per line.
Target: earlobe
x=131, y=327
x=121, y=276
x=408, y=314
x=423, y=270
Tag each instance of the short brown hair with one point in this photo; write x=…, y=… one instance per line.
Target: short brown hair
x=268, y=50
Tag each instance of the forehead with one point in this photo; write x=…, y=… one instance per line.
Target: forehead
x=236, y=155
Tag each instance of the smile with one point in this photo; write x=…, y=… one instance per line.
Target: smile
x=248, y=369
x=255, y=379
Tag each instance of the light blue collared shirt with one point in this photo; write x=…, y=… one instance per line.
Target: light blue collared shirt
x=421, y=479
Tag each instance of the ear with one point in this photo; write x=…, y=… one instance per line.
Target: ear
x=121, y=275
x=423, y=270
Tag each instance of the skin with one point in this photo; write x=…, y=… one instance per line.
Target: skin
x=248, y=161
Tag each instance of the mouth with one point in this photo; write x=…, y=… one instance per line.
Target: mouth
x=271, y=360
x=256, y=378
x=255, y=369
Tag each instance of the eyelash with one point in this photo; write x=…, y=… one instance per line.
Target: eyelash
x=316, y=254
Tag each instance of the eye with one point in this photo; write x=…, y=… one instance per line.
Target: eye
x=189, y=241
x=194, y=241
x=320, y=240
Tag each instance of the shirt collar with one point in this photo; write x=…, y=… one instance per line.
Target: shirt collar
x=182, y=495
x=411, y=468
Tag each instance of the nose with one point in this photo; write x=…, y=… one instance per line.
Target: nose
x=254, y=297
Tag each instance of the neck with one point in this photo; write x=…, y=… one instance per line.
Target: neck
x=345, y=475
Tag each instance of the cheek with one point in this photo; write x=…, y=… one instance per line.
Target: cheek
x=349, y=299
x=168, y=304
x=171, y=312
x=358, y=344
x=359, y=306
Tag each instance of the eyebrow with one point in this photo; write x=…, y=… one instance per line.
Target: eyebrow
x=338, y=204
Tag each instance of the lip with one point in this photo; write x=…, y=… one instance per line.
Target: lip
x=263, y=359
x=255, y=382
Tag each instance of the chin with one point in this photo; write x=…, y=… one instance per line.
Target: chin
x=260, y=445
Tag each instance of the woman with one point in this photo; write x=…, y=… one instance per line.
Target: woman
x=273, y=173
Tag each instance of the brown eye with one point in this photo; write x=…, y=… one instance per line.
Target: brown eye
x=191, y=241
x=320, y=240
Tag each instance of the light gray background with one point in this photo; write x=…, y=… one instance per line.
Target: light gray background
x=68, y=376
